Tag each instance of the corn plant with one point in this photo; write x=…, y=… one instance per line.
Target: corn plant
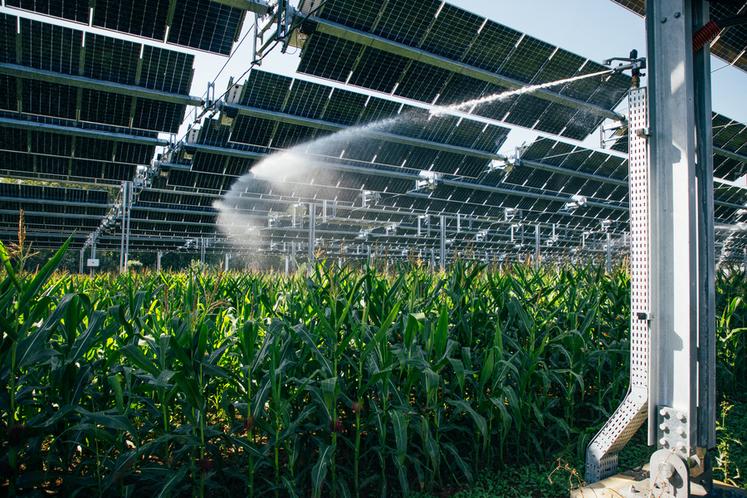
x=339, y=381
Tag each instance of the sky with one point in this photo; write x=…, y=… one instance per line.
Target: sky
x=595, y=29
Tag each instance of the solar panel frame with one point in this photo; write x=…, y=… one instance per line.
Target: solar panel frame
x=72, y=10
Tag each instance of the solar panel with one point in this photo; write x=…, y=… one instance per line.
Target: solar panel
x=50, y=47
x=49, y=99
x=205, y=25
x=452, y=33
x=378, y=70
x=265, y=90
x=111, y=59
x=344, y=107
x=328, y=57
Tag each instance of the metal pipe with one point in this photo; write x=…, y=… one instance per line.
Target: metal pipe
x=729, y=153
x=706, y=251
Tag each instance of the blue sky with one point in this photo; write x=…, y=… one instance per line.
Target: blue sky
x=596, y=29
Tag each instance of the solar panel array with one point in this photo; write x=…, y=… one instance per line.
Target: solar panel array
x=200, y=24
x=81, y=112
x=468, y=41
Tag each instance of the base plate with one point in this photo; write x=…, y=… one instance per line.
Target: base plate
x=635, y=484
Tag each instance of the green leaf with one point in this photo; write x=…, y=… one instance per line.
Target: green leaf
x=478, y=419
x=173, y=481
x=319, y=471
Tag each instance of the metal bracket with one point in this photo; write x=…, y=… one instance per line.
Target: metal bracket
x=672, y=430
x=669, y=476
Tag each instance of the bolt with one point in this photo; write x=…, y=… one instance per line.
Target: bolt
x=663, y=412
x=666, y=470
x=663, y=427
x=677, y=15
x=681, y=417
x=683, y=432
x=680, y=446
x=663, y=20
x=663, y=442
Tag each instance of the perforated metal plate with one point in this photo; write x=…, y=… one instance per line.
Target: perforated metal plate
x=601, y=455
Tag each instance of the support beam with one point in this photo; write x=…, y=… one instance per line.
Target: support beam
x=52, y=202
x=124, y=246
x=442, y=241
x=312, y=234
x=159, y=255
x=725, y=152
x=31, y=73
x=80, y=132
x=675, y=252
x=571, y=172
x=706, y=251
x=93, y=255
x=370, y=40
x=537, y=246
x=608, y=253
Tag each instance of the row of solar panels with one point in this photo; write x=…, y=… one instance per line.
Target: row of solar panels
x=212, y=173
x=200, y=24
x=275, y=112
x=468, y=57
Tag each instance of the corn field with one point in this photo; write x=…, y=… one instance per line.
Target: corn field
x=339, y=383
